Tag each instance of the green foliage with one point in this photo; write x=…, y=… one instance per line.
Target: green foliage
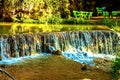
x=74, y=21
x=32, y=8
x=108, y=22
x=116, y=68
x=116, y=28
x=54, y=19
x=29, y=21
x=69, y=21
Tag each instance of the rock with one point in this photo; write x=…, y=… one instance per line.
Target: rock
x=84, y=67
x=98, y=60
x=106, y=59
x=58, y=52
x=3, y=66
x=97, y=66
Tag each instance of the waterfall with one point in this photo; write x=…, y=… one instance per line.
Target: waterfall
x=81, y=43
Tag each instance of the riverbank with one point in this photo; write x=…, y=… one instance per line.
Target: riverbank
x=53, y=68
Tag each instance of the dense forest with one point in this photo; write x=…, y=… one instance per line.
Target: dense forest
x=39, y=9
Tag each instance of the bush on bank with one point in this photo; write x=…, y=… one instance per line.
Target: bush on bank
x=116, y=68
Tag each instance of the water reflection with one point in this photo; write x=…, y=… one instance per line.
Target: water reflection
x=18, y=28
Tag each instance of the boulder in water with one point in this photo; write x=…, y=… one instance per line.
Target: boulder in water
x=57, y=52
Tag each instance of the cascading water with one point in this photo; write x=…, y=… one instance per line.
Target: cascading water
x=81, y=46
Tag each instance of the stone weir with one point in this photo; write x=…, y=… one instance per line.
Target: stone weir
x=106, y=42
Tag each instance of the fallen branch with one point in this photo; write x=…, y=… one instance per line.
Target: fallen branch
x=9, y=75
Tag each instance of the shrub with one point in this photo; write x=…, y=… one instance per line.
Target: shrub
x=108, y=22
x=74, y=21
x=69, y=21
x=54, y=19
x=116, y=68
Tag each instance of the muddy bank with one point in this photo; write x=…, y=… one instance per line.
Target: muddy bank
x=53, y=68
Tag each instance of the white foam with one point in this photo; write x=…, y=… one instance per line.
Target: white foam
x=10, y=61
x=86, y=57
